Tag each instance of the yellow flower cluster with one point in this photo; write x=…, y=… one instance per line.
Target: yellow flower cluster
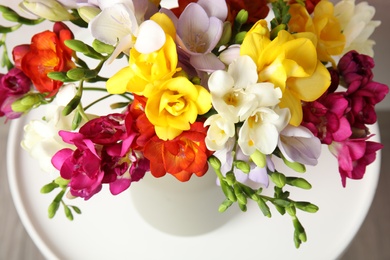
x=173, y=102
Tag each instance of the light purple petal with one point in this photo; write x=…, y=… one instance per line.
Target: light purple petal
x=193, y=20
x=213, y=34
x=207, y=62
x=217, y=8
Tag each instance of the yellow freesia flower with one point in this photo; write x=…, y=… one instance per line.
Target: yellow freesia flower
x=324, y=25
x=145, y=69
x=174, y=105
x=289, y=62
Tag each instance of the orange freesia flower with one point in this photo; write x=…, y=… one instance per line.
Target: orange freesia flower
x=183, y=156
x=46, y=53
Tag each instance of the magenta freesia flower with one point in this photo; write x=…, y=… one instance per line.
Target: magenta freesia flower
x=362, y=92
x=326, y=118
x=12, y=86
x=353, y=156
x=103, y=155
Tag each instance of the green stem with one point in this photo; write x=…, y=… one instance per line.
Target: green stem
x=97, y=101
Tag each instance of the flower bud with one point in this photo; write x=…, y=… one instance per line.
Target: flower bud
x=239, y=37
x=48, y=9
x=279, y=179
x=243, y=166
x=87, y=13
x=242, y=17
x=25, y=103
x=226, y=34
x=298, y=182
x=215, y=163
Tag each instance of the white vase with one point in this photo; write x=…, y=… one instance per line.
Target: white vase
x=181, y=208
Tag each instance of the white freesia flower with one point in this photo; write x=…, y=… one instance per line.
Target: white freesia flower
x=227, y=89
x=41, y=138
x=298, y=144
x=261, y=130
x=357, y=25
x=119, y=23
x=219, y=132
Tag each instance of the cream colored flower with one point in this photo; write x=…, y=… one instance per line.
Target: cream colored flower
x=357, y=25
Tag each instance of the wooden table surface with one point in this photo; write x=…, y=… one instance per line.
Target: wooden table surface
x=372, y=241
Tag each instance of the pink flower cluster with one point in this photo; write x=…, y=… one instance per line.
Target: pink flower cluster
x=340, y=118
x=103, y=154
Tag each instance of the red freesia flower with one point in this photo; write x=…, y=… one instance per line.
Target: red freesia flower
x=256, y=9
x=46, y=53
x=309, y=4
x=183, y=156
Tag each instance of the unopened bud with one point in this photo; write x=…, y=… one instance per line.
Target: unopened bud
x=25, y=103
x=242, y=17
x=48, y=9
x=87, y=13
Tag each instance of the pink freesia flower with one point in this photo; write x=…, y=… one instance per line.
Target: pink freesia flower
x=326, y=118
x=103, y=155
x=353, y=156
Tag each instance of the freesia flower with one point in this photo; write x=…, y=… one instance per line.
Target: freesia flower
x=256, y=178
x=353, y=157
x=362, y=92
x=357, y=25
x=219, y=132
x=46, y=53
x=147, y=68
x=174, y=105
x=41, y=139
x=105, y=143
x=182, y=156
x=256, y=9
x=298, y=144
x=198, y=32
x=228, y=89
x=323, y=24
x=290, y=63
x=326, y=118
x=118, y=23
x=48, y=9
x=12, y=86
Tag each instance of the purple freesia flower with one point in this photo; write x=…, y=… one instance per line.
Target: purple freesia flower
x=197, y=34
x=298, y=144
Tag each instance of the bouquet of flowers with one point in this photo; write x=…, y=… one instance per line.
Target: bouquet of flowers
x=227, y=84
